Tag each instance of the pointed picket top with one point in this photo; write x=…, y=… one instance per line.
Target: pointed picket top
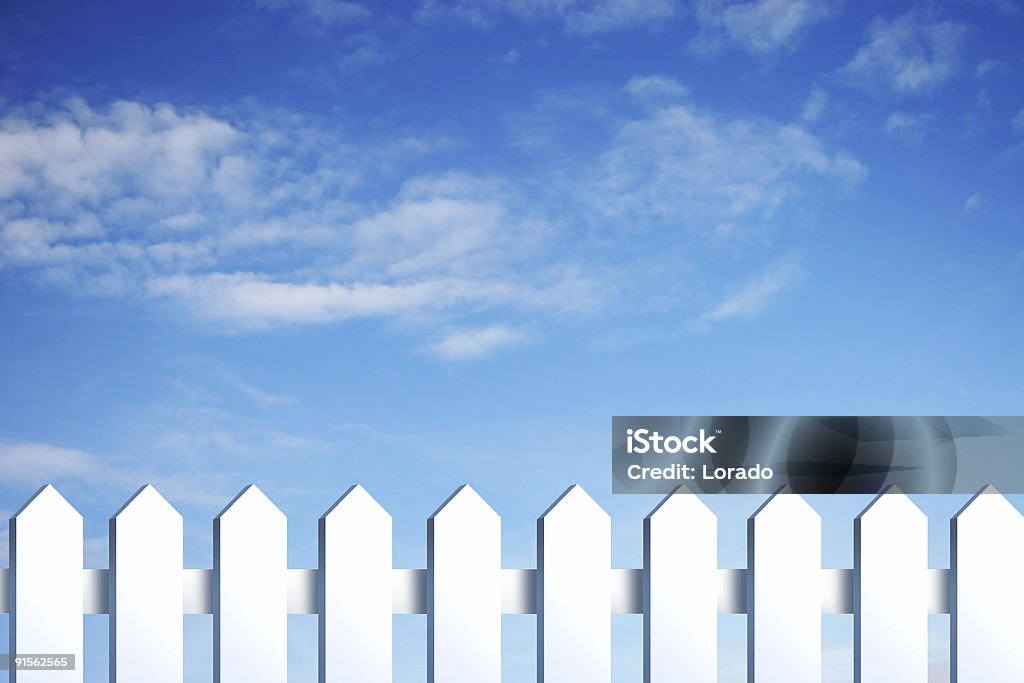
x=464, y=589
x=250, y=555
x=46, y=591
x=892, y=501
x=464, y=500
x=356, y=501
x=891, y=591
x=574, y=591
x=680, y=501
x=986, y=501
x=47, y=501
x=146, y=592
x=784, y=591
x=574, y=501
x=250, y=500
x=783, y=502
x=986, y=596
x=680, y=596
x=146, y=501
x=355, y=624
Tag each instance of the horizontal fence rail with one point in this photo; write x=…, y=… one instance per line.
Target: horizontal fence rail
x=518, y=594
x=463, y=591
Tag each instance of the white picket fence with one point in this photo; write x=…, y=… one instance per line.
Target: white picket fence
x=574, y=591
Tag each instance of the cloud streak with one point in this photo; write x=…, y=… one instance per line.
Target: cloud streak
x=759, y=27
x=576, y=16
x=911, y=54
x=701, y=171
x=476, y=343
x=755, y=297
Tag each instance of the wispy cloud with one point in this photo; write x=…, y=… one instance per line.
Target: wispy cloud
x=758, y=26
x=814, y=106
x=1005, y=6
x=973, y=203
x=576, y=16
x=32, y=463
x=701, y=171
x=476, y=343
x=908, y=126
x=1017, y=124
x=320, y=14
x=252, y=301
x=655, y=90
x=752, y=299
x=913, y=53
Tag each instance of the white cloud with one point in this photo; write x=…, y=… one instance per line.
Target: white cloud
x=1005, y=6
x=361, y=51
x=914, y=53
x=655, y=90
x=598, y=16
x=699, y=170
x=321, y=14
x=759, y=26
x=990, y=67
x=973, y=203
x=577, y=16
x=82, y=158
x=908, y=126
x=752, y=299
x=1018, y=123
x=814, y=106
x=250, y=301
x=476, y=343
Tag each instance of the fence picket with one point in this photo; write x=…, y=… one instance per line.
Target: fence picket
x=146, y=624
x=890, y=591
x=986, y=593
x=574, y=591
x=46, y=551
x=250, y=562
x=784, y=592
x=355, y=590
x=464, y=591
x=680, y=603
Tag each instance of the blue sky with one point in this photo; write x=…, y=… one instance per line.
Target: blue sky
x=309, y=243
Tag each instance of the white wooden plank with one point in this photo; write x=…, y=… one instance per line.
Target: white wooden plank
x=46, y=595
x=891, y=591
x=573, y=591
x=784, y=592
x=987, y=595
x=355, y=599
x=680, y=600
x=250, y=615
x=146, y=594
x=464, y=591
